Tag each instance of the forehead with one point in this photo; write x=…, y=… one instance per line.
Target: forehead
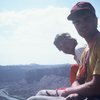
x=82, y=15
x=83, y=19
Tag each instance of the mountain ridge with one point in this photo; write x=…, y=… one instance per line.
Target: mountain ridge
x=26, y=80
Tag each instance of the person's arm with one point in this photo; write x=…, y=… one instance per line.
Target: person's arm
x=75, y=83
x=87, y=89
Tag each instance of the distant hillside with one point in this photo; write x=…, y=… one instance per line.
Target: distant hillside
x=27, y=80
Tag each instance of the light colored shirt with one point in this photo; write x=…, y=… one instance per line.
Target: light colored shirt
x=78, y=52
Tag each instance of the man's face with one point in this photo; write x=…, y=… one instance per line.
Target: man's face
x=67, y=46
x=85, y=24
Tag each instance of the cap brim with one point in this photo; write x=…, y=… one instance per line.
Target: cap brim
x=78, y=12
x=71, y=16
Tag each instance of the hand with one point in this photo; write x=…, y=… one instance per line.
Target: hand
x=74, y=96
x=52, y=93
x=64, y=93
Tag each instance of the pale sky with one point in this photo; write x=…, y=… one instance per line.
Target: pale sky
x=28, y=29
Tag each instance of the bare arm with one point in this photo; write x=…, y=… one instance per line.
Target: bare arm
x=86, y=89
x=75, y=83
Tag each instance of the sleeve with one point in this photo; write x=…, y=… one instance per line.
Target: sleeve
x=78, y=52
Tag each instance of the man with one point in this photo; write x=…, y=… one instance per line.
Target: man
x=87, y=81
x=64, y=42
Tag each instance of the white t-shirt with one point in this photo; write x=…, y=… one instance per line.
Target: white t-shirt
x=78, y=52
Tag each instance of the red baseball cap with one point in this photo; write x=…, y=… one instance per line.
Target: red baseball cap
x=79, y=7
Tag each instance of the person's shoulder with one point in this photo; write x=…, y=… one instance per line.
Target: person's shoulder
x=80, y=47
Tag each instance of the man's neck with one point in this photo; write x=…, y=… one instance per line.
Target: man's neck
x=90, y=39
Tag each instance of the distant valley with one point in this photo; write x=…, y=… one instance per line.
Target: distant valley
x=26, y=80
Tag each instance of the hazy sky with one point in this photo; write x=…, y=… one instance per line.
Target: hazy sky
x=28, y=29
